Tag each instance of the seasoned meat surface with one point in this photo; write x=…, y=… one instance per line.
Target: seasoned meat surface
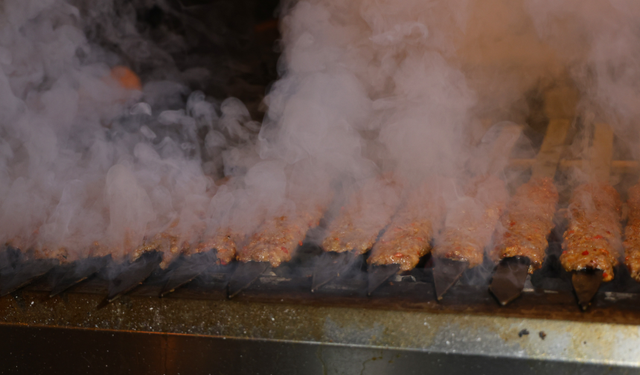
x=224, y=242
x=277, y=239
x=33, y=251
x=632, y=234
x=471, y=221
x=528, y=220
x=592, y=239
x=408, y=237
x=366, y=213
x=169, y=245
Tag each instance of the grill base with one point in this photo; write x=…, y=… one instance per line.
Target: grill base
x=262, y=332
x=28, y=350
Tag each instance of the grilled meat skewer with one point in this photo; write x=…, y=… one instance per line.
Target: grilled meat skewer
x=594, y=221
x=356, y=228
x=408, y=237
x=219, y=250
x=527, y=222
x=592, y=241
x=469, y=226
x=167, y=249
x=277, y=239
x=65, y=268
x=359, y=223
x=472, y=219
x=216, y=240
x=273, y=243
x=522, y=240
x=522, y=235
x=224, y=243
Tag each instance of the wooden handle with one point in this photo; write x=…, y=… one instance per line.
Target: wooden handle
x=553, y=145
x=560, y=105
x=601, y=152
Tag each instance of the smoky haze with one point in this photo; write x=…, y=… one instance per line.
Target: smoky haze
x=92, y=164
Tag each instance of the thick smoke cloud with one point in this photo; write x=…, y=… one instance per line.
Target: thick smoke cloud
x=397, y=88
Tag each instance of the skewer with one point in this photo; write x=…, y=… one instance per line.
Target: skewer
x=559, y=106
x=523, y=233
x=24, y=273
x=586, y=282
x=355, y=230
x=408, y=237
x=330, y=266
x=446, y=271
x=509, y=279
x=132, y=275
x=75, y=273
x=186, y=269
x=276, y=241
x=380, y=274
x=9, y=259
x=220, y=249
x=245, y=274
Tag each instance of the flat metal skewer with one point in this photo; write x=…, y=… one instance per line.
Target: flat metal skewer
x=10, y=257
x=245, y=275
x=187, y=269
x=75, y=273
x=330, y=266
x=586, y=284
x=379, y=274
x=509, y=278
x=133, y=275
x=446, y=273
x=24, y=274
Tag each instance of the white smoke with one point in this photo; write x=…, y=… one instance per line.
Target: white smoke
x=366, y=87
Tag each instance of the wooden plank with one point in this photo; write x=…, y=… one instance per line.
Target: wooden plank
x=560, y=104
x=601, y=152
x=548, y=157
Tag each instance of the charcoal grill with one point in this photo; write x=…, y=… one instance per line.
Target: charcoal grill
x=277, y=325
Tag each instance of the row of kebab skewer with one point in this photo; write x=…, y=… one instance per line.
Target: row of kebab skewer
x=482, y=223
x=396, y=234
